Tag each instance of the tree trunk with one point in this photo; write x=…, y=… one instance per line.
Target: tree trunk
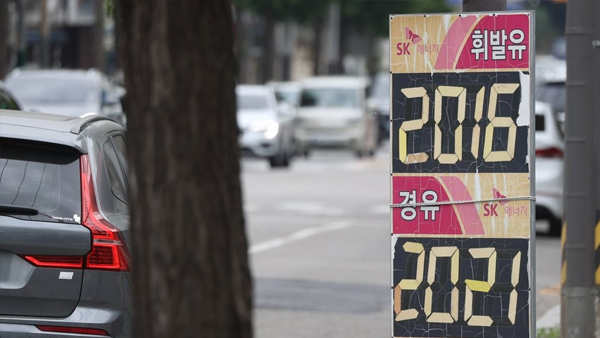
x=3, y=38
x=190, y=266
x=269, y=48
x=45, y=31
x=317, y=47
x=98, y=34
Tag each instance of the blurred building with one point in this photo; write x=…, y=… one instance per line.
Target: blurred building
x=288, y=50
x=63, y=33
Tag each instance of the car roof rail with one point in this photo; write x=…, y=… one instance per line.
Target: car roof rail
x=85, y=120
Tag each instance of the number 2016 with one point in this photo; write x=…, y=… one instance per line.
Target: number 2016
x=472, y=285
x=460, y=93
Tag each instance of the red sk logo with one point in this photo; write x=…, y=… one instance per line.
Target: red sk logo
x=414, y=38
x=498, y=195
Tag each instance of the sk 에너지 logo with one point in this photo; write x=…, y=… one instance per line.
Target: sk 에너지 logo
x=403, y=47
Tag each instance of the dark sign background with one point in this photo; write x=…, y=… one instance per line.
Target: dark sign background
x=422, y=140
x=494, y=303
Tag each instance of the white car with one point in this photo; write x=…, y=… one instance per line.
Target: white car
x=266, y=131
x=67, y=92
x=551, y=78
x=333, y=113
x=549, y=166
x=288, y=92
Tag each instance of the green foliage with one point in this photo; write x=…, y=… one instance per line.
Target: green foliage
x=545, y=30
x=110, y=7
x=370, y=15
x=302, y=11
x=548, y=333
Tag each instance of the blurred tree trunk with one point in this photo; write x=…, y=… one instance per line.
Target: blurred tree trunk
x=98, y=45
x=269, y=47
x=190, y=267
x=3, y=38
x=317, y=47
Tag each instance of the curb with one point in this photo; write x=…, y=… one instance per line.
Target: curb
x=550, y=320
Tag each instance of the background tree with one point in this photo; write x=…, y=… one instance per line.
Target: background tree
x=4, y=27
x=366, y=18
x=299, y=11
x=191, y=275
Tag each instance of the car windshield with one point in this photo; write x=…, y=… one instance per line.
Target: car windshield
x=381, y=87
x=289, y=96
x=554, y=94
x=252, y=102
x=328, y=97
x=41, y=177
x=57, y=90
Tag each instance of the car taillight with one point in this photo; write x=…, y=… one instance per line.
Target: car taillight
x=549, y=153
x=108, y=246
x=64, y=262
x=75, y=330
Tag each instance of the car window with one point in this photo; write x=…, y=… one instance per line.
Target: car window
x=540, y=122
x=289, y=96
x=55, y=90
x=381, y=87
x=6, y=102
x=252, y=101
x=40, y=176
x=116, y=176
x=555, y=94
x=121, y=148
x=329, y=97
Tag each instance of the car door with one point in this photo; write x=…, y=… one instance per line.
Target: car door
x=42, y=241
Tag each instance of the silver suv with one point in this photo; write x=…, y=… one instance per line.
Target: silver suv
x=64, y=225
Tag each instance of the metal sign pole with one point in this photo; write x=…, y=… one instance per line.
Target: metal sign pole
x=577, y=296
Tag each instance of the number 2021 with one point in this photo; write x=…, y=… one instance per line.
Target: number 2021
x=460, y=93
x=472, y=285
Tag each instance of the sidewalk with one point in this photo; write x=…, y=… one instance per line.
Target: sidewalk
x=550, y=319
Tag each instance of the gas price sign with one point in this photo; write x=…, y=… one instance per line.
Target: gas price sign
x=462, y=205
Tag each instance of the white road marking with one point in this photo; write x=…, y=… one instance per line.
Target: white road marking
x=383, y=209
x=250, y=208
x=310, y=208
x=299, y=235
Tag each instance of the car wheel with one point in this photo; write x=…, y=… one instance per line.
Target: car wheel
x=280, y=160
x=555, y=226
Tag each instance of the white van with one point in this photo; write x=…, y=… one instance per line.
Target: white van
x=333, y=112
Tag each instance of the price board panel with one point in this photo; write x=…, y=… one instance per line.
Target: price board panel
x=462, y=167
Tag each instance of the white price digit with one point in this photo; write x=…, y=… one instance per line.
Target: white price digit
x=409, y=284
x=442, y=317
x=480, y=286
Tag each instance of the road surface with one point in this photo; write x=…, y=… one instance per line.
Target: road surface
x=320, y=247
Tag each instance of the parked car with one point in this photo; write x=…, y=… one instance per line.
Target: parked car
x=7, y=100
x=64, y=262
x=333, y=113
x=67, y=92
x=551, y=85
x=288, y=92
x=549, y=167
x=266, y=131
x=379, y=104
